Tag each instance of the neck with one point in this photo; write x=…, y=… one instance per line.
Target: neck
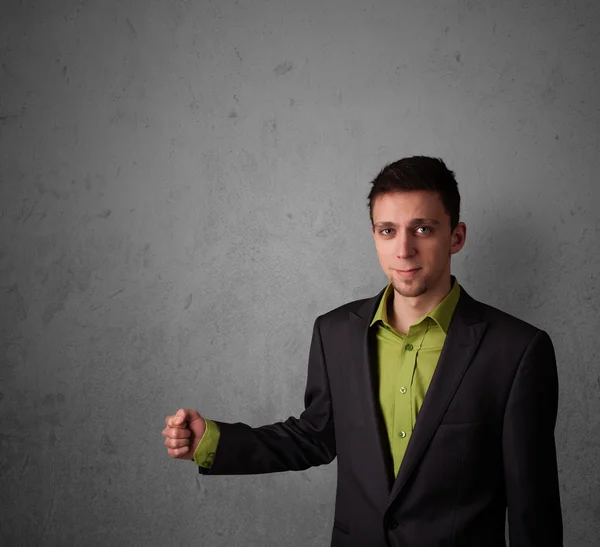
x=405, y=311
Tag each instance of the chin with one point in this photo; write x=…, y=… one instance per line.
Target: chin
x=410, y=290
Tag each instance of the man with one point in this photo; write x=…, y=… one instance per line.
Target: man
x=439, y=408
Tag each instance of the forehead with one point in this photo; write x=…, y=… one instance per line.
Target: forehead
x=403, y=206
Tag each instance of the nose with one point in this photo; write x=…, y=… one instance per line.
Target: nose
x=405, y=245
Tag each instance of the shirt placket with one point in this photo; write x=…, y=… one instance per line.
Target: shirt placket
x=403, y=416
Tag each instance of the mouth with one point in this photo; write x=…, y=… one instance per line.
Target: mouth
x=407, y=273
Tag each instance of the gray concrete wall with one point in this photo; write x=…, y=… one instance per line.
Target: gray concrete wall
x=182, y=190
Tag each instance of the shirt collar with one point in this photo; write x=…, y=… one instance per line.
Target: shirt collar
x=441, y=314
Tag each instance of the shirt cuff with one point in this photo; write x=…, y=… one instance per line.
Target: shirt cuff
x=207, y=447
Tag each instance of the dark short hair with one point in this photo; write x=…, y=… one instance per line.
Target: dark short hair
x=418, y=173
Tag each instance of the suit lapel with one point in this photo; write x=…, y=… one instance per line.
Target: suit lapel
x=365, y=363
x=464, y=334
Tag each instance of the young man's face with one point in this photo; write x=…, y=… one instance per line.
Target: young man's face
x=413, y=240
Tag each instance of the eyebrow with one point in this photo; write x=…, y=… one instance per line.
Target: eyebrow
x=412, y=222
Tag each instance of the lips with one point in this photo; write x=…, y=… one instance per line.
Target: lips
x=405, y=274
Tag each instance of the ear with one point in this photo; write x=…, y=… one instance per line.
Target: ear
x=459, y=236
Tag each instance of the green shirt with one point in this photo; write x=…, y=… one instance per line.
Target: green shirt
x=406, y=363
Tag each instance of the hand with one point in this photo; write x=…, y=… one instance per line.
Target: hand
x=183, y=433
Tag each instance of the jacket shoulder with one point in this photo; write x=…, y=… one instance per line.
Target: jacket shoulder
x=500, y=320
x=357, y=307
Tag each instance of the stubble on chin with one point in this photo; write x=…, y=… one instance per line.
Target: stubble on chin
x=410, y=290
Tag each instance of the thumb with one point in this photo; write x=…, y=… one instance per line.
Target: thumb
x=194, y=416
x=184, y=415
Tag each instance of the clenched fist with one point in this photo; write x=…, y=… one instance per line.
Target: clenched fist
x=183, y=433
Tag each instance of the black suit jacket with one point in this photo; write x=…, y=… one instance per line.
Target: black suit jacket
x=483, y=440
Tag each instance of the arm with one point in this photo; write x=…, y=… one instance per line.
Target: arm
x=293, y=445
x=529, y=452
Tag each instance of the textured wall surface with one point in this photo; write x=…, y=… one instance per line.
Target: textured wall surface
x=183, y=190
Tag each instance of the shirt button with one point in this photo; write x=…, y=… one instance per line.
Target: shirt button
x=402, y=389
x=402, y=434
x=408, y=347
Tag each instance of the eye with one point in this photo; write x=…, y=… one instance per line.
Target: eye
x=383, y=232
x=428, y=228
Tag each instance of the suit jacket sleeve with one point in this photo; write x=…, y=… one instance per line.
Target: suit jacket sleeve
x=529, y=451
x=292, y=445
